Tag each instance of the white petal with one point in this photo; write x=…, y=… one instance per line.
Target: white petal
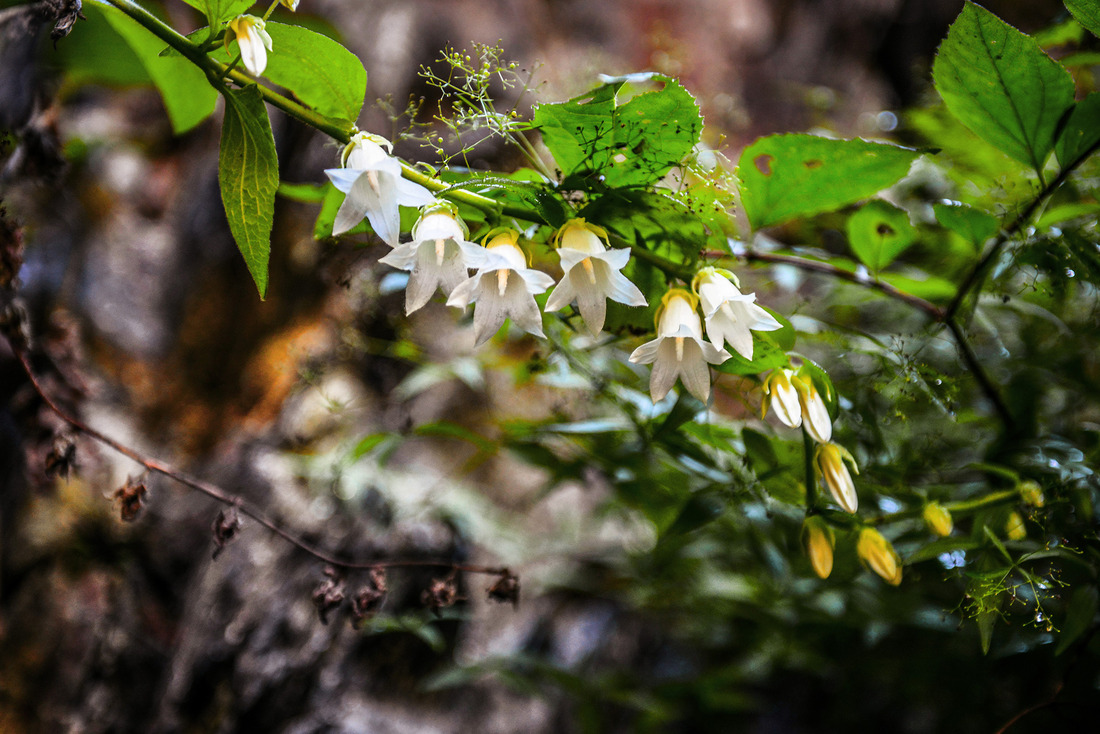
x=711, y=353
x=536, y=280
x=384, y=217
x=616, y=257
x=420, y=290
x=694, y=371
x=402, y=257
x=410, y=193
x=489, y=314
x=562, y=295
x=623, y=291
x=464, y=292
x=593, y=306
x=343, y=178
x=665, y=371
x=759, y=319
x=360, y=199
x=522, y=308
x=646, y=353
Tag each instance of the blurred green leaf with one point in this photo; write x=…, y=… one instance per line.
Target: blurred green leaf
x=1082, y=130
x=878, y=233
x=1081, y=610
x=1087, y=13
x=971, y=224
x=218, y=11
x=789, y=176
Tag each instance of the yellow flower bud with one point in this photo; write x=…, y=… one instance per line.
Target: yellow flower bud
x=831, y=463
x=1014, y=528
x=1031, y=493
x=815, y=414
x=877, y=554
x=818, y=542
x=938, y=519
x=781, y=397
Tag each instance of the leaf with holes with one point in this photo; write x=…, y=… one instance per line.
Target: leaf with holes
x=999, y=83
x=788, y=176
x=878, y=233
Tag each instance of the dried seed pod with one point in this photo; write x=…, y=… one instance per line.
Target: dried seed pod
x=505, y=589
x=441, y=594
x=226, y=526
x=62, y=457
x=329, y=594
x=369, y=599
x=131, y=498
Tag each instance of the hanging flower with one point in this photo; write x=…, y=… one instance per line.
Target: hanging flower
x=291, y=5
x=818, y=541
x=591, y=274
x=879, y=555
x=253, y=40
x=781, y=397
x=511, y=294
x=436, y=257
x=679, y=349
x=938, y=519
x=731, y=316
x=815, y=414
x=371, y=179
x=830, y=462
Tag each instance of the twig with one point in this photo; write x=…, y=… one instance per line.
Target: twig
x=219, y=495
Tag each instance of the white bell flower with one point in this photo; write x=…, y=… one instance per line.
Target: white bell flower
x=510, y=294
x=679, y=349
x=731, y=316
x=435, y=258
x=371, y=179
x=253, y=40
x=781, y=396
x=591, y=274
x=815, y=414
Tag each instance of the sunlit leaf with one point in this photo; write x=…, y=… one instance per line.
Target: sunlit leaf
x=878, y=233
x=248, y=173
x=971, y=224
x=1082, y=130
x=999, y=83
x=788, y=176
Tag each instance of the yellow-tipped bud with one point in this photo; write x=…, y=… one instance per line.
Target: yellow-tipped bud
x=815, y=414
x=879, y=555
x=831, y=462
x=818, y=542
x=1031, y=493
x=1014, y=528
x=938, y=519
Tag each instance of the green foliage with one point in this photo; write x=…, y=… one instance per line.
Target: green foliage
x=248, y=174
x=789, y=176
x=1087, y=13
x=219, y=11
x=188, y=96
x=973, y=225
x=1082, y=131
x=1000, y=84
x=878, y=233
x=598, y=142
x=317, y=70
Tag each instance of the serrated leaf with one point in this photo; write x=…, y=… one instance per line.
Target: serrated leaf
x=1087, y=13
x=878, y=233
x=971, y=224
x=217, y=11
x=188, y=97
x=1080, y=611
x=788, y=176
x=1082, y=131
x=999, y=83
x=317, y=70
x=599, y=143
x=248, y=174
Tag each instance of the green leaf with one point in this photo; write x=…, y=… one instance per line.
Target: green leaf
x=248, y=173
x=82, y=57
x=999, y=83
x=788, y=176
x=1082, y=131
x=188, y=96
x=319, y=71
x=1087, y=13
x=973, y=225
x=766, y=355
x=306, y=193
x=597, y=142
x=878, y=233
x=1080, y=611
x=218, y=11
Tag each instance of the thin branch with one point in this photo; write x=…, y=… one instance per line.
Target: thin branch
x=980, y=375
x=219, y=495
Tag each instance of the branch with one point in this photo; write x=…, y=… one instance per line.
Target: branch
x=977, y=274
x=219, y=495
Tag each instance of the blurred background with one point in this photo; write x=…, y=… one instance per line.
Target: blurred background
x=313, y=404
